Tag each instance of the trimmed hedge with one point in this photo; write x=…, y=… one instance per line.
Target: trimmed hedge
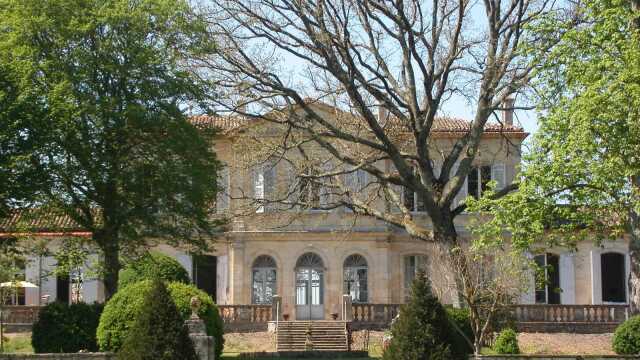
x=158, y=332
x=63, y=328
x=626, y=339
x=153, y=265
x=459, y=317
x=507, y=342
x=125, y=306
x=422, y=330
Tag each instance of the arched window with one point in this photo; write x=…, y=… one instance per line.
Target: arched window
x=264, y=280
x=309, y=260
x=355, y=278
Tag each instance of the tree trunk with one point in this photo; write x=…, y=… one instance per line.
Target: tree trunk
x=446, y=239
x=634, y=250
x=110, y=246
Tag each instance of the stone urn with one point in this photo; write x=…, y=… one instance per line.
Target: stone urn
x=202, y=343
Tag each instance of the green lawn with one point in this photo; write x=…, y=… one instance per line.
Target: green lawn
x=227, y=356
x=18, y=343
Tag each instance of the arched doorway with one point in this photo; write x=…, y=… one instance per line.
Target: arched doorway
x=355, y=278
x=612, y=267
x=309, y=287
x=264, y=277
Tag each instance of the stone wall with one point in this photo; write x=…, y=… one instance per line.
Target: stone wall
x=74, y=356
x=554, y=357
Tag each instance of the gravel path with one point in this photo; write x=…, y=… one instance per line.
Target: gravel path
x=565, y=343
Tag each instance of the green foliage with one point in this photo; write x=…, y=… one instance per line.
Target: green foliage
x=124, y=307
x=63, y=328
x=507, y=342
x=462, y=333
x=626, y=339
x=110, y=80
x=158, y=331
x=19, y=180
x=576, y=177
x=151, y=266
x=422, y=331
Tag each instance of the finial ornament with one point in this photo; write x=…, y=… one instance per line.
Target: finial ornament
x=195, y=306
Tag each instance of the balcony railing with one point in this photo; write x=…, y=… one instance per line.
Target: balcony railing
x=373, y=316
x=245, y=317
x=20, y=314
x=571, y=313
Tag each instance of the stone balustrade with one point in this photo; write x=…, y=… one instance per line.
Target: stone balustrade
x=20, y=314
x=373, y=316
x=575, y=318
x=245, y=317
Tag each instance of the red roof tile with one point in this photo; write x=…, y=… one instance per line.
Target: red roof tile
x=221, y=123
x=441, y=125
x=38, y=220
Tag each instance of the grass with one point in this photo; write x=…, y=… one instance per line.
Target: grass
x=19, y=343
x=228, y=356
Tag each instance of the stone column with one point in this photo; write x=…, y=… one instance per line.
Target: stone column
x=347, y=309
x=596, y=278
x=379, y=281
x=567, y=279
x=276, y=308
x=237, y=283
x=202, y=343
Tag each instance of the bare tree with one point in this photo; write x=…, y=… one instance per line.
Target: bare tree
x=386, y=68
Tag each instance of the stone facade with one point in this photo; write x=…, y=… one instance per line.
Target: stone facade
x=260, y=255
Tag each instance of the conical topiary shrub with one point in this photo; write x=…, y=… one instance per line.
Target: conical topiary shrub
x=159, y=332
x=422, y=331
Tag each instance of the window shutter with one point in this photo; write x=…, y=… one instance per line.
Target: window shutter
x=292, y=186
x=258, y=186
x=498, y=175
x=325, y=191
x=270, y=176
x=462, y=194
x=223, y=196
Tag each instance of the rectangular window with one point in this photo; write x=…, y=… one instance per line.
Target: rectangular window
x=413, y=264
x=547, y=279
x=264, y=185
x=478, y=180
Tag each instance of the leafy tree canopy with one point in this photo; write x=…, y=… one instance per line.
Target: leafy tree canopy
x=111, y=80
x=582, y=177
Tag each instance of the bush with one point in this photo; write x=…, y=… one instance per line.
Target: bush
x=507, y=342
x=626, y=339
x=153, y=265
x=461, y=331
x=422, y=331
x=158, y=331
x=66, y=328
x=127, y=303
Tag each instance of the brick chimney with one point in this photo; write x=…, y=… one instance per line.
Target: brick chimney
x=507, y=112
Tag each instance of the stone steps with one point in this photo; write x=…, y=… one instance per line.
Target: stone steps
x=325, y=335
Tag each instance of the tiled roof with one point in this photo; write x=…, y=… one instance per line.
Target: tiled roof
x=455, y=125
x=221, y=123
x=442, y=125
x=39, y=221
